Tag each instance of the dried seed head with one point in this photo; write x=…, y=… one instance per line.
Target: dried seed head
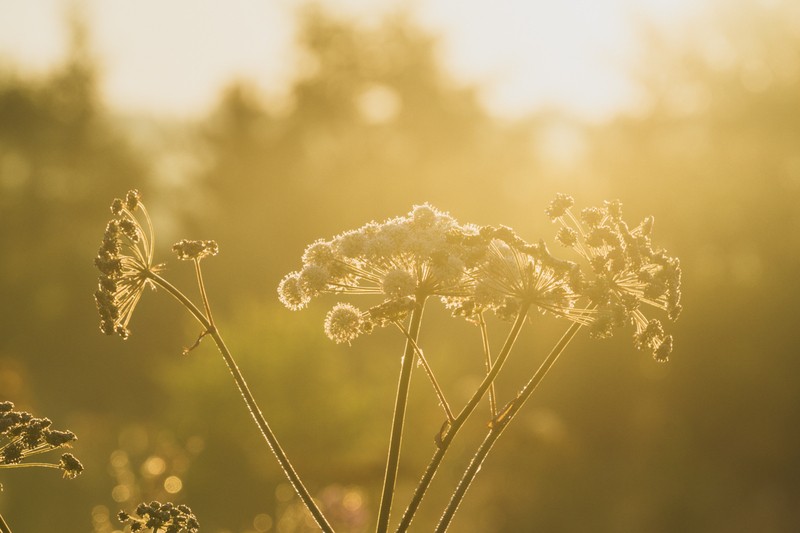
x=22, y=436
x=158, y=516
x=125, y=260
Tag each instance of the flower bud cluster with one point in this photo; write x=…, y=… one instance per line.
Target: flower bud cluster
x=22, y=436
x=125, y=259
x=157, y=516
x=187, y=250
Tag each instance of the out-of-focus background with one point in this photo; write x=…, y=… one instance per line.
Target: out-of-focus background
x=266, y=125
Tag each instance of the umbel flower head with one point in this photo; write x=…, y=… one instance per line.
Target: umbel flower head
x=157, y=516
x=627, y=272
x=513, y=275
x=23, y=436
x=402, y=260
x=187, y=250
x=125, y=259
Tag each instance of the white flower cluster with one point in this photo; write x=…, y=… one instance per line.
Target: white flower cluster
x=426, y=253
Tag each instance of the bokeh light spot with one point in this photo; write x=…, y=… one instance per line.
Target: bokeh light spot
x=353, y=500
x=173, y=484
x=154, y=466
x=262, y=522
x=119, y=459
x=121, y=493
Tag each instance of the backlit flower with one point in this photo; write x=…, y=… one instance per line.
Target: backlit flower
x=514, y=275
x=23, y=436
x=125, y=259
x=627, y=272
x=187, y=250
x=402, y=259
x=157, y=516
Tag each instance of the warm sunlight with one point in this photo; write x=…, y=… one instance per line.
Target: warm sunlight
x=172, y=58
x=363, y=266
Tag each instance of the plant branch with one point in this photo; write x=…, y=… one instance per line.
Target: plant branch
x=449, y=430
x=4, y=526
x=249, y=400
x=488, y=356
x=429, y=371
x=395, y=439
x=203, y=294
x=499, y=424
x=31, y=465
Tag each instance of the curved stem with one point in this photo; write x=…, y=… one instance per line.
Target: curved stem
x=449, y=431
x=4, y=526
x=250, y=401
x=499, y=424
x=395, y=439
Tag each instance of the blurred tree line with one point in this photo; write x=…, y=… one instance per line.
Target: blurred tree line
x=612, y=442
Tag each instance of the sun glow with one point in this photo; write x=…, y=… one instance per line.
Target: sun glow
x=525, y=54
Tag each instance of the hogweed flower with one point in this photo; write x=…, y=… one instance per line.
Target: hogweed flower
x=626, y=271
x=187, y=250
x=23, y=436
x=402, y=260
x=125, y=260
x=513, y=275
x=158, y=516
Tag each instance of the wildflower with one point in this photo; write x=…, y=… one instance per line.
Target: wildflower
x=157, y=516
x=125, y=260
x=195, y=250
x=403, y=259
x=70, y=465
x=292, y=293
x=22, y=435
x=513, y=275
x=626, y=272
x=343, y=323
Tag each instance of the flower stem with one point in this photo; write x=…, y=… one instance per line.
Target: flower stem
x=395, y=439
x=429, y=371
x=499, y=424
x=4, y=526
x=449, y=432
x=31, y=465
x=249, y=400
x=202, y=287
x=488, y=357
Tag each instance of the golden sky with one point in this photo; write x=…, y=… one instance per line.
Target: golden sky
x=171, y=57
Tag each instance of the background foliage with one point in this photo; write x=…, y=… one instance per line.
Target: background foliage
x=612, y=442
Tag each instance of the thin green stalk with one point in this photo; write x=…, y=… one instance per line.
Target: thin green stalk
x=203, y=296
x=449, y=432
x=4, y=526
x=32, y=465
x=431, y=376
x=249, y=400
x=487, y=353
x=395, y=439
x=499, y=424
